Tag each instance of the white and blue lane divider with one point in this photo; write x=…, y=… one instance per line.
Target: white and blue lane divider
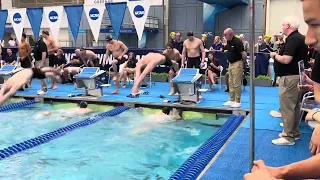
x=195, y=164
x=12, y=106
x=9, y=151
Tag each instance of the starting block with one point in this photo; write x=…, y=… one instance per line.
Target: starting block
x=7, y=71
x=187, y=85
x=91, y=79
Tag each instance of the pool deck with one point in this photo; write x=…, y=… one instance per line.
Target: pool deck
x=232, y=162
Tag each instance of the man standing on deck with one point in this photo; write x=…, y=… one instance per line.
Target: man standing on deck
x=192, y=47
x=118, y=49
x=236, y=57
x=51, y=46
x=24, y=51
x=89, y=58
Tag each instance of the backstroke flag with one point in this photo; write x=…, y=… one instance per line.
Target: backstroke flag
x=35, y=19
x=3, y=20
x=74, y=14
x=17, y=18
x=139, y=12
x=94, y=14
x=116, y=13
x=53, y=16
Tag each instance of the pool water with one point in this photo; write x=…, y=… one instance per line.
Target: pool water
x=27, y=122
x=111, y=149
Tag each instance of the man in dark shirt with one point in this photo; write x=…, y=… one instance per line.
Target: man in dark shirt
x=236, y=58
x=40, y=55
x=178, y=43
x=11, y=58
x=286, y=67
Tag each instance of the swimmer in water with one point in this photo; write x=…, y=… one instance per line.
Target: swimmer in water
x=155, y=120
x=148, y=63
x=21, y=78
x=80, y=110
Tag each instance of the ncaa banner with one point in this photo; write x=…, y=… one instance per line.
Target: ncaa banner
x=53, y=15
x=116, y=13
x=74, y=14
x=139, y=12
x=17, y=17
x=94, y=14
x=3, y=20
x=35, y=18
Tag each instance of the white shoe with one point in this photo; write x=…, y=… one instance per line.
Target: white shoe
x=228, y=103
x=41, y=92
x=281, y=124
x=275, y=114
x=236, y=105
x=296, y=138
x=171, y=93
x=282, y=141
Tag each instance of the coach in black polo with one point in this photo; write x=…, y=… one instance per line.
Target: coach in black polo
x=286, y=67
x=236, y=57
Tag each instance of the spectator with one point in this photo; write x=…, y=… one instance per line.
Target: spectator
x=224, y=44
x=129, y=68
x=204, y=39
x=178, y=44
x=172, y=37
x=213, y=70
x=266, y=46
x=278, y=45
x=286, y=66
x=10, y=59
x=258, y=45
x=245, y=43
x=217, y=45
x=11, y=42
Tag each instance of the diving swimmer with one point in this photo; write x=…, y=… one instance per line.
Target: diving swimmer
x=148, y=63
x=21, y=78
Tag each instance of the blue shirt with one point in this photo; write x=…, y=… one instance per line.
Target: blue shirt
x=217, y=47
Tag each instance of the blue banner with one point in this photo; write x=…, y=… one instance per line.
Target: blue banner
x=74, y=14
x=116, y=13
x=209, y=16
x=35, y=19
x=3, y=20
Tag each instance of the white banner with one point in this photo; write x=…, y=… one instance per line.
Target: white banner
x=17, y=17
x=53, y=15
x=94, y=15
x=139, y=12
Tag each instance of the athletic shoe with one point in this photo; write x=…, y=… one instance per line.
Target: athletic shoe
x=275, y=114
x=283, y=142
x=296, y=138
x=281, y=124
x=41, y=92
x=228, y=103
x=227, y=90
x=236, y=105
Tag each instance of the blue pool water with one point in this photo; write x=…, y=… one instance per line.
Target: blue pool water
x=112, y=149
x=27, y=123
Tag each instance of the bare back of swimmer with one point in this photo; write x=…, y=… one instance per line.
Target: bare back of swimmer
x=21, y=78
x=148, y=63
x=89, y=58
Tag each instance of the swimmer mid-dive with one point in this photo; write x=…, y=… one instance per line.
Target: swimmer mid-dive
x=21, y=78
x=148, y=63
x=80, y=110
x=155, y=120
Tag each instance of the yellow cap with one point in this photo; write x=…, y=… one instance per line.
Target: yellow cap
x=267, y=37
x=172, y=34
x=204, y=35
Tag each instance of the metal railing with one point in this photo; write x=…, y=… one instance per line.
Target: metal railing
x=151, y=22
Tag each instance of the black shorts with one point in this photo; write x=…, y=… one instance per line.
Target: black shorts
x=37, y=73
x=53, y=60
x=194, y=62
x=96, y=62
x=120, y=61
x=26, y=63
x=168, y=61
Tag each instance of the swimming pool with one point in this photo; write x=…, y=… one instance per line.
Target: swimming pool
x=111, y=149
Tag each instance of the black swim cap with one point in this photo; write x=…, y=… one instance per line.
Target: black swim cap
x=109, y=38
x=166, y=110
x=83, y=104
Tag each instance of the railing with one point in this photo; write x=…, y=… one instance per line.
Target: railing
x=151, y=22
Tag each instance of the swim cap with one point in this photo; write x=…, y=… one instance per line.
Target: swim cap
x=190, y=33
x=166, y=110
x=172, y=34
x=82, y=49
x=109, y=38
x=267, y=37
x=83, y=104
x=204, y=35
